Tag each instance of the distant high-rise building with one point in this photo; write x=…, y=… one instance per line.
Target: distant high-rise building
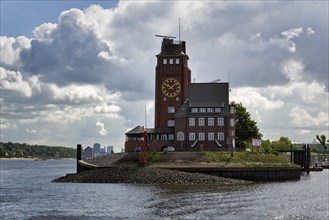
x=109, y=149
x=97, y=149
x=88, y=153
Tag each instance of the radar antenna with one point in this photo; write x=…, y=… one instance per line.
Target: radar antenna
x=164, y=36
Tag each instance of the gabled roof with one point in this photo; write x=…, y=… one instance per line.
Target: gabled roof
x=208, y=94
x=205, y=95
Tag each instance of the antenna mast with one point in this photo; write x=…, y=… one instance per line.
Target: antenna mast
x=179, y=28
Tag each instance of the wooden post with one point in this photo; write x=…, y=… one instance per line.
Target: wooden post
x=79, y=150
x=308, y=158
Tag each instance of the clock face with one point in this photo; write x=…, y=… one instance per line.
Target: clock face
x=171, y=87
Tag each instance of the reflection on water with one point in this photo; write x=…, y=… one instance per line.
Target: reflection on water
x=28, y=193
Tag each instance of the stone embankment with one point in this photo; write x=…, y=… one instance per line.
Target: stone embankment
x=106, y=160
x=145, y=175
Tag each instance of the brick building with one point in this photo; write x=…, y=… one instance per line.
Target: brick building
x=188, y=116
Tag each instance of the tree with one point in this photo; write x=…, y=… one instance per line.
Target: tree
x=282, y=144
x=245, y=127
x=322, y=139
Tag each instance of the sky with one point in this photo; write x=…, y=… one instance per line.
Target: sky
x=81, y=72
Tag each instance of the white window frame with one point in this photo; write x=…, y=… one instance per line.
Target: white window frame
x=220, y=121
x=232, y=122
x=201, y=136
x=180, y=136
x=177, y=60
x=194, y=110
x=221, y=136
x=203, y=110
x=171, y=109
x=210, y=110
x=211, y=136
x=201, y=122
x=211, y=121
x=191, y=122
x=191, y=136
x=164, y=61
x=171, y=137
x=171, y=61
x=218, y=110
x=171, y=123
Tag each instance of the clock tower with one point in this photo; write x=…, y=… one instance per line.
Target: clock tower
x=172, y=77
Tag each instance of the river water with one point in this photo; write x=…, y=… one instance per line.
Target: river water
x=28, y=193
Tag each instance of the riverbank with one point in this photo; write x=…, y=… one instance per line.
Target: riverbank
x=145, y=175
x=183, y=168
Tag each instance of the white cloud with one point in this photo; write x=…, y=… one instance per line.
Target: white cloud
x=292, y=33
x=13, y=81
x=98, y=65
x=102, y=131
x=31, y=131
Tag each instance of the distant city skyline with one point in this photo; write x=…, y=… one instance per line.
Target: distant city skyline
x=80, y=72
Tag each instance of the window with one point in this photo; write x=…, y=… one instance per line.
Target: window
x=171, y=61
x=211, y=136
x=191, y=136
x=232, y=133
x=210, y=121
x=163, y=137
x=201, y=121
x=232, y=109
x=191, y=121
x=171, y=109
x=201, y=136
x=210, y=109
x=203, y=110
x=218, y=110
x=220, y=121
x=177, y=99
x=171, y=123
x=194, y=110
x=177, y=60
x=232, y=122
x=171, y=137
x=221, y=136
x=180, y=136
x=164, y=99
x=164, y=61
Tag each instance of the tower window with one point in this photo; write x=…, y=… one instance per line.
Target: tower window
x=171, y=109
x=171, y=123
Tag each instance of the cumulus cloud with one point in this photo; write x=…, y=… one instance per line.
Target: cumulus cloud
x=97, y=64
x=101, y=128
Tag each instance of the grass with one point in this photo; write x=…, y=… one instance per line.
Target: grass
x=153, y=156
x=247, y=158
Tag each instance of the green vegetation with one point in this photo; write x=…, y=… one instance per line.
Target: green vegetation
x=153, y=156
x=10, y=150
x=322, y=139
x=245, y=127
x=247, y=158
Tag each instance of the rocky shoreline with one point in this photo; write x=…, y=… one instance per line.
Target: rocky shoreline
x=144, y=175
